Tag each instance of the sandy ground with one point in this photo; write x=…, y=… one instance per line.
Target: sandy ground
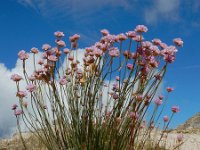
x=191, y=142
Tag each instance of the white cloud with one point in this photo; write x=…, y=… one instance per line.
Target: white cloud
x=162, y=9
x=7, y=96
x=8, y=92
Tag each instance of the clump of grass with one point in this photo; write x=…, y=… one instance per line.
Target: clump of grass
x=98, y=100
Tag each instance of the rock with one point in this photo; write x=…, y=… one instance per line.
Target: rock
x=192, y=125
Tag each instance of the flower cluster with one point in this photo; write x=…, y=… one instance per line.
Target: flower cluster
x=87, y=108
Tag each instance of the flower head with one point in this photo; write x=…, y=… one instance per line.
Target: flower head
x=25, y=104
x=141, y=28
x=131, y=34
x=121, y=37
x=175, y=109
x=74, y=38
x=18, y=112
x=104, y=32
x=34, y=50
x=46, y=47
x=60, y=43
x=165, y=118
x=63, y=81
x=16, y=77
x=23, y=55
x=14, y=107
x=158, y=102
x=114, y=52
x=53, y=58
x=31, y=87
x=180, y=137
x=178, y=42
x=59, y=34
x=139, y=97
x=156, y=41
x=66, y=51
x=129, y=66
x=160, y=97
x=134, y=115
x=115, y=96
x=21, y=94
x=169, y=89
x=117, y=78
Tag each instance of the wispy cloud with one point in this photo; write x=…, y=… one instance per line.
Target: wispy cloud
x=192, y=67
x=76, y=7
x=162, y=9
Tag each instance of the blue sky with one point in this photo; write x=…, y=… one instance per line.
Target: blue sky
x=28, y=23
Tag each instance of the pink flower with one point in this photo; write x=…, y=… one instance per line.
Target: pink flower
x=114, y=52
x=74, y=38
x=131, y=34
x=134, y=115
x=165, y=118
x=175, y=109
x=104, y=32
x=180, y=137
x=21, y=94
x=117, y=78
x=129, y=66
x=170, y=50
x=79, y=71
x=115, y=96
x=141, y=28
x=40, y=62
x=139, y=97
x=16, y=77
x=169, y=89
x=158, y=77
x=46, y=47
x=71, y=58
x=63, y=81
x=60, y=43
x=156, y=41
x=98, y=52
x=178, y=41
x=163, y=45
x=25, y=104
x=138, y=38
x=23, y=55
x=169, y=58
x=52, y=58
x=44, y=55
x=121, y=37
x=160, y=97
x=155, y=50
x=66, y=51
x=18, y=112
x=158, y=102
x=31, y=87
x=154, y=63
x=145, y=70
x=59, y=34
x=115, y=86
x=146, y=44
x=34, y=50
x=14, y=107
